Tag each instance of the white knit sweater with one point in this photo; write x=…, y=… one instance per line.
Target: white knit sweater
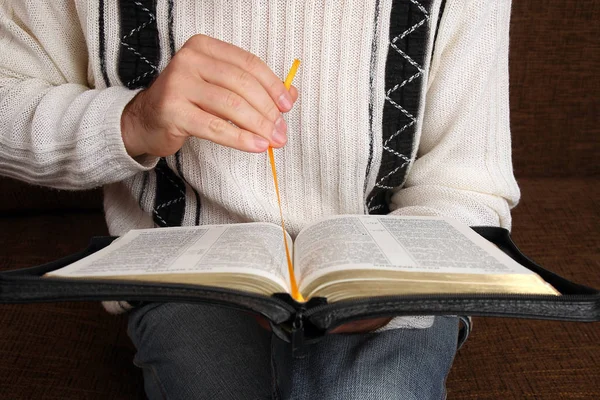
x=60, y=123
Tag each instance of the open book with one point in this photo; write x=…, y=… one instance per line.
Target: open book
x=343, y=257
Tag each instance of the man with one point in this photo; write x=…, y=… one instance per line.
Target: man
x=403, y=109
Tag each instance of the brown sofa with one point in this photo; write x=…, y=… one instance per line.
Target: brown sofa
x=77, y=351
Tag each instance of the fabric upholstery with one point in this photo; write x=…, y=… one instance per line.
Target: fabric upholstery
x=63, y=350
x=77, y=351
x=19, y=197
x=557, y=226
x=555, y=102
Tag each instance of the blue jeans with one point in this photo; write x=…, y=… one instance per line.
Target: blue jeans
x=205, y=352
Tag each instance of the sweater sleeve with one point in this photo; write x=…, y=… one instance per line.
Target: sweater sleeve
x=464, y=166
x=54, y=129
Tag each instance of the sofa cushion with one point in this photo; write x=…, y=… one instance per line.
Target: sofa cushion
x=554, y=87
x=76, y=350
x=556, y=224
x=17, y=197
x=63, y=350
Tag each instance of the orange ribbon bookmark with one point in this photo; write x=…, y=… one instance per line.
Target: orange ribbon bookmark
x=295, y=292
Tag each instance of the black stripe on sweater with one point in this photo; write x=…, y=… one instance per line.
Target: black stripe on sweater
x=409, y=31
x=178, y=155
x=439, y=21
x=373, y=94
x=138, y=65
x=140, y=48
x=102, y=42
x=171, y=36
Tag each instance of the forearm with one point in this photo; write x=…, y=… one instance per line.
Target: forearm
x=54, y=129
x=65, y=136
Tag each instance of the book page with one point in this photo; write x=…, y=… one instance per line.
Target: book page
x=445, y=245
x=255, y=248
x=338, y=242
x=411, y=244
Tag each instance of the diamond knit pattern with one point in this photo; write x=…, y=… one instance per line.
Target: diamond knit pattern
x=404, y=72
x=139, y=58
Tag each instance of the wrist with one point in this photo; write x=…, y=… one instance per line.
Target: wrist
x=130, y=128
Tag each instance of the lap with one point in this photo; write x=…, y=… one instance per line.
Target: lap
x=201, y=352
x=396, y=364
x=205, y=352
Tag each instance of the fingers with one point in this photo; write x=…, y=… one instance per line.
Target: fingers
x=198, y=123
x=294, y=93
x=230, y=106
x=248, y=62
x=210, y=90
x=241, y=82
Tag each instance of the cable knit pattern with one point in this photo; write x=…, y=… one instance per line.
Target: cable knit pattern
x=60, y=124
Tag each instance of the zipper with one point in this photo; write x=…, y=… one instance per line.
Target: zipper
x=297, y=335
x=33, y=274
x=475, y=296
x=344, y=304
x=299, y=312
x=19, y=279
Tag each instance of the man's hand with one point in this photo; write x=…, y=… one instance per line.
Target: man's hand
x=207, y=84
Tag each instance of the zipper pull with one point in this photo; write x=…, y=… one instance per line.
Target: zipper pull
x=298, y=350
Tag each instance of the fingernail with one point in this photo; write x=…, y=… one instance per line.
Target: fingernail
x=279, y=135
x=260, y=143
x=285, y=101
